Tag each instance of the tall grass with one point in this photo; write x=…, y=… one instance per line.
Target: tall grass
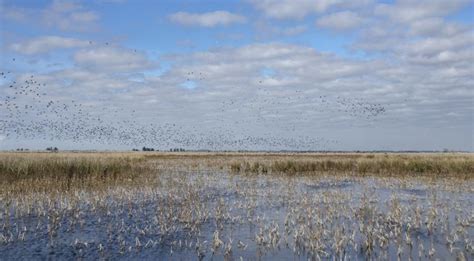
x=381, y=165
x=61, y=172
x=66, y=171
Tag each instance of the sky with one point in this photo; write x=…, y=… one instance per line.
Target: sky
x=237, y=75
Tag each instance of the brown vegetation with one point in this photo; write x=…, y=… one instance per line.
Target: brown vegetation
x=311, y=205
x=384, y=165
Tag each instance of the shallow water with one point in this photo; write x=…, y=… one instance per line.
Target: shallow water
x=256, y=217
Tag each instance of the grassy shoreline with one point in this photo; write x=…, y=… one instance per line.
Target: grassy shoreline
x=69, y=167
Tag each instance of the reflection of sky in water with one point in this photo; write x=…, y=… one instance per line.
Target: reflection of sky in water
x=265, y=200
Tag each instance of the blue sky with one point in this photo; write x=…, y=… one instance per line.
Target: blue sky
x=300, y=72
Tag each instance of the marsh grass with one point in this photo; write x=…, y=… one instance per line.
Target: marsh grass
x=41, y=172
x=387, y=165
x=66, y=170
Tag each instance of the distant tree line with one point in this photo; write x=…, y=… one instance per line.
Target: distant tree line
x=152, y=149
x=51, y=149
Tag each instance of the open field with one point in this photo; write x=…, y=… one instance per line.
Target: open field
x=236, y=206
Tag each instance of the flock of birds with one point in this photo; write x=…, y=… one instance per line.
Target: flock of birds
x=28, y=111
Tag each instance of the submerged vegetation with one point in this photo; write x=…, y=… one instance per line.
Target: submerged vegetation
x=194, y=206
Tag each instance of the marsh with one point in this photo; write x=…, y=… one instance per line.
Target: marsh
x=200, y=206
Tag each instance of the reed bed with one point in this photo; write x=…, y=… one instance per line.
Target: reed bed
x=63, y=172
x=393, y=165
x=365, y=164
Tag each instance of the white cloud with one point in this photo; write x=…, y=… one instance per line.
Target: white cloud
x=112, y=59
x=46, y=44
x=210, y=19
x=266, y=30
x=343, y=20
x=69, y=16
x=435, y=26
x=409, y=10
x=292, y=8
x=298, y=9
x=435, y=45
x=419, y=34
x=63, y=15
